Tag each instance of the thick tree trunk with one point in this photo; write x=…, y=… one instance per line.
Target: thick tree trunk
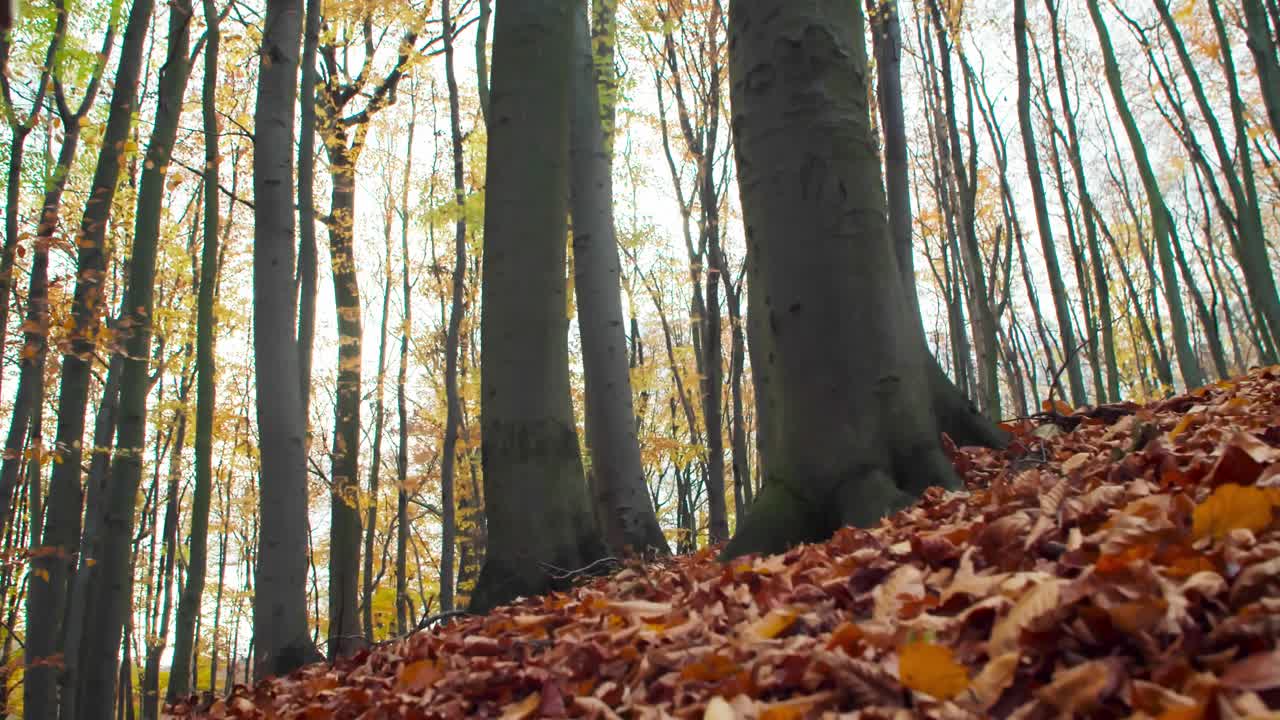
x=1075, y=376
x=851, y=429
x=538, y=516
x=628, y=520
x=206, y=366
x=279, y=601
x=1161, y=219
x=106, y=615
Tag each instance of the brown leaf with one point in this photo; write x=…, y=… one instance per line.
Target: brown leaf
x=1079, y=689
x=1260, y=671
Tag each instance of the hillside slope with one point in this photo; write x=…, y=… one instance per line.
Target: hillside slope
x=1118, y=562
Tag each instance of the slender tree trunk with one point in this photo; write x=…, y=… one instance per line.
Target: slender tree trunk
x=308, y=276
x=538, y=514
x=106, y=615
x=1102, y=290
x=980, y=311
x=1161, y=219
x=279, y=601
x=628, y=521
x=344, y=500
x=448, y=460
x=482, y=58
x=158, y=640
x=184, y=662
x=47, y=599
x=1264, y=57
x=375, y=461
x=402, y=377
x=1075, y=376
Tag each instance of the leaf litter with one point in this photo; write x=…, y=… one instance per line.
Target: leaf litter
x=1123, y=565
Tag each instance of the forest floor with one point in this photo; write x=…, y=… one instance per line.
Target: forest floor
x=1121, y=561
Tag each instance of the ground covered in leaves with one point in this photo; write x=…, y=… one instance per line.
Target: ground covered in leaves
x=1121, y=561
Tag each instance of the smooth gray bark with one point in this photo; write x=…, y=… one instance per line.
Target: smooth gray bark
x=281, y=638
x=539, y=521
x=627, y=516
x=851, y=430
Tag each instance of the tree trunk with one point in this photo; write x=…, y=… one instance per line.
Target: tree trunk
x=367, y=587
x=402, y=378
x=538, y=517
x=106, y=615
x=206, y=392
x=449, y=453
x=980, y=312
x=1161, y=219
x=852, y=433
x=308, y=271
x=61, y=531
x=628, y=520
x=1075, y=376
x=1101, y=288
x=279, y=600
x=344, y=501
x=1264, y=57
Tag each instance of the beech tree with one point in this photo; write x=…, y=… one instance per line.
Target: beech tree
x=851, y=427
x=539, y=521
x=281, y=638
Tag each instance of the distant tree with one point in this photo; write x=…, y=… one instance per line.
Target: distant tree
x=621, y=498
x=280, y=633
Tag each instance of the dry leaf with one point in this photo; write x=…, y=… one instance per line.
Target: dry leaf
x=932, y=669
x=1231, y=507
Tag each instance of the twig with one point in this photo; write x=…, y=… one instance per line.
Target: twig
x=557, y=573
x=431, y=619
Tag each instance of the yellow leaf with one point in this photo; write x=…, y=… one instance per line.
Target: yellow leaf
x=523, y=709
x=771, y=625
x=1230, y=507
x=932, y=669
x=1183, y=424
x=41, y=573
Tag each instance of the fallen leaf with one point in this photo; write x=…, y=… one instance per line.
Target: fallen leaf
x=1260, y=671
x=770, y=626
x=932, y=669
x=1231, y=507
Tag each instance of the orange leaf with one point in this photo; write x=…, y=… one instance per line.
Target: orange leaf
x=1185, y=423
x=1057, y=406
x=417, y=676
x=1231, y=507
x=932, y=669
x=523, y=709
x=847, y=637
x=770, y=626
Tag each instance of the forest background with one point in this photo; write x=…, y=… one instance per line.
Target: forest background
x=1087, y=296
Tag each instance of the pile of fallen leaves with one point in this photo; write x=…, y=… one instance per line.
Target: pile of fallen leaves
x=1121, y=561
